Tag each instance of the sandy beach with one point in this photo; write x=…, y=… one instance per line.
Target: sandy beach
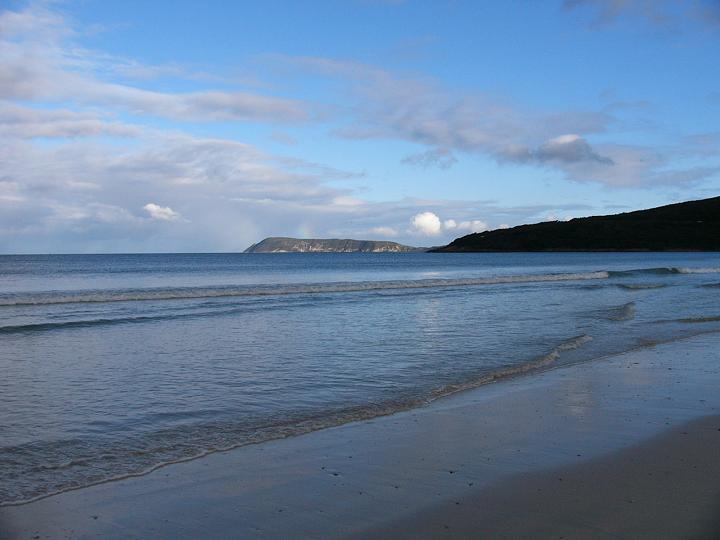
x=621, y=447
x=359, y=269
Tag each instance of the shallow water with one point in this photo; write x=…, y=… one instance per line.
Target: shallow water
x=115, y=364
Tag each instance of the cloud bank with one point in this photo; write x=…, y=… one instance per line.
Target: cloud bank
x=448, y=125
x=41, y=63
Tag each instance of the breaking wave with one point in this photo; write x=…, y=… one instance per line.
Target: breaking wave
x=312, y=288
x=127, y=295
x=625, y=312
x=44, y=326
x=666, y=270
x=512, y=371
x=714, y=318
x=641, y=286
x=185, y=293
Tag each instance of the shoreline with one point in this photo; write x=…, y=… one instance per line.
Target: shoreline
x=518, y=425
x=539, y=365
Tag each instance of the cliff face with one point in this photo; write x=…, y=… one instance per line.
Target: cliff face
x=314, y=245
x=688, y=226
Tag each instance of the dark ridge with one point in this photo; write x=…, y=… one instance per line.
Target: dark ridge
x=687, y=226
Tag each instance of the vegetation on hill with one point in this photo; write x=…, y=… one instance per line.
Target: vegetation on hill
x=688, y=226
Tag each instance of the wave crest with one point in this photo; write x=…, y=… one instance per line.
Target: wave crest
x=512, y=371
x=273, y=290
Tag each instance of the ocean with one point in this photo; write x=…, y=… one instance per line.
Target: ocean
x=114, y=365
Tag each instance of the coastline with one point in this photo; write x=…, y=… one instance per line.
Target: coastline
x=372, y=475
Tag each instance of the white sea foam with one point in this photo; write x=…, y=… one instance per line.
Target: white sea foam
x=666, y=270
x=709, y=270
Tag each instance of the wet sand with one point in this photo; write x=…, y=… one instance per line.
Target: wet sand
x=667, y=487
x=631, y=436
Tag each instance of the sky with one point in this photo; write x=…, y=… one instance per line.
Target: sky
x=184, y=126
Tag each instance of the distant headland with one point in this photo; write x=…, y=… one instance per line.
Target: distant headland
x=687, y=226
x=319, y=245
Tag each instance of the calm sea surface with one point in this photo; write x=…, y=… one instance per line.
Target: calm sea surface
x=114, y=364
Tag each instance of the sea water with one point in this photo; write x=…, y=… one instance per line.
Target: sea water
x=113, y=365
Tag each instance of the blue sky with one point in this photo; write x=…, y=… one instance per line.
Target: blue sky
x=186, y=126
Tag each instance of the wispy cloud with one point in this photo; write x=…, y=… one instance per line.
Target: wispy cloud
x=569, y=148
x=27, y=123
x=40, y=62
x=441, y=158
x=449, y=124
x=656, y=12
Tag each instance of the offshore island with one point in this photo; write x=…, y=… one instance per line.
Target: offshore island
x=319, y=245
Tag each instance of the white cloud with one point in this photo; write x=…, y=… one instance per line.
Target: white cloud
x=162, y=213
x=474, y=225
x=427, y=223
